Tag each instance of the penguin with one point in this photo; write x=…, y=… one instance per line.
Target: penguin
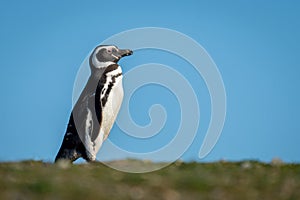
x=96, y=109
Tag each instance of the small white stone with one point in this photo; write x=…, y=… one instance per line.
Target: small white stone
x=246, y=165
x=276, y=162
x=63, y=164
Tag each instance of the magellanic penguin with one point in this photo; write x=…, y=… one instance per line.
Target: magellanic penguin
x=97, y=107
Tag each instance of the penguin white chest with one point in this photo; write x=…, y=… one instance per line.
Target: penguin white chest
x=112, y=105
x=111, y=99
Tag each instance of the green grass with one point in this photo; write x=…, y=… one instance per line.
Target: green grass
x=219, y=180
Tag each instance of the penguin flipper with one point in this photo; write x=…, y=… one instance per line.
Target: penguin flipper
x=90, y=134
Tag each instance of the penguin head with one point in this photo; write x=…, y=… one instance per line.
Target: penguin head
x=105, y=55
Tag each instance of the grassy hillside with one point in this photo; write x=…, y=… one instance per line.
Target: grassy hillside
x=220, y=180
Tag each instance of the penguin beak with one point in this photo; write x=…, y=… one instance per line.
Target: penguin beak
x=125, y=52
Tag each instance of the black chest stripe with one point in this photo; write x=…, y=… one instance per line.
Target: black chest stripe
x=110, y=85
x=100, y=103
x=111, y=68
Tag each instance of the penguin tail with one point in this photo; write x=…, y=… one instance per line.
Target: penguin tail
x=71, y=149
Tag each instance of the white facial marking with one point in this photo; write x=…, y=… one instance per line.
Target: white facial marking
x=116, y=57
x=100, y=65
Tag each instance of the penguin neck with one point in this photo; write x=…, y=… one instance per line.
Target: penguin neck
x=96, y=74
x=110, y=70
x=101, y=75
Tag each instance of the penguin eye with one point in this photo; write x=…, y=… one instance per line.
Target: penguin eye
x=108, y=50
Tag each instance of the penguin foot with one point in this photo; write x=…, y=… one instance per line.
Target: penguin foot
x=68, y=154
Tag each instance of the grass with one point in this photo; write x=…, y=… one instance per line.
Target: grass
x=219, y=180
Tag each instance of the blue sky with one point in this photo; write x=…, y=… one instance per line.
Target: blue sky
x=254, y=44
